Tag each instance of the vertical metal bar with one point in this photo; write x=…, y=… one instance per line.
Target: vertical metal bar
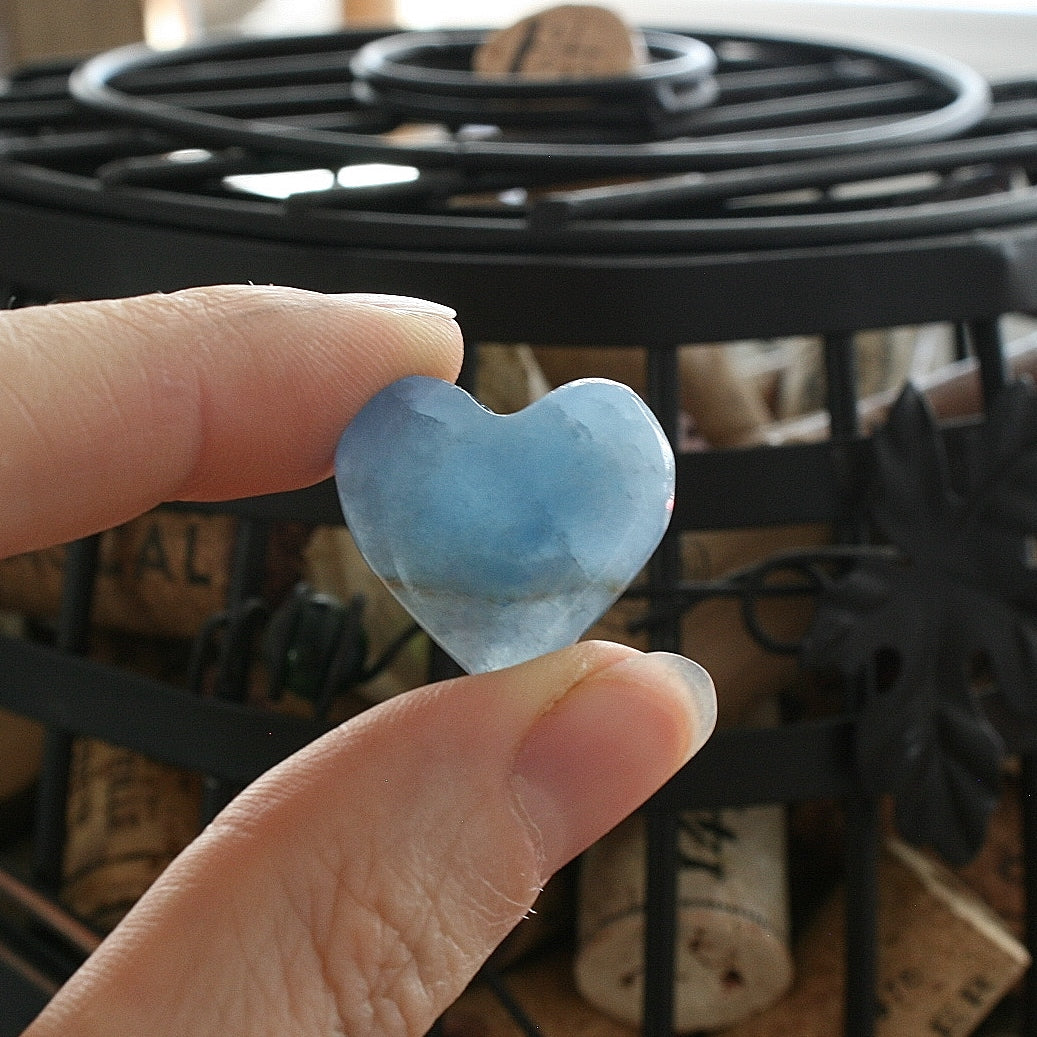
x=247, y=573
x=663, y=388
x=660, y=920
x=662, y=378
x=961, y=340
x=248, y=560
x=862, y=835
x=1028, y=794
x=77, y=591
x=48, y=844
x=841, y=381
x=988, y=348
x=663, y=392
x=840, y=358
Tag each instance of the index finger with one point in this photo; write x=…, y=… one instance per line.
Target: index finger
x=109, y=408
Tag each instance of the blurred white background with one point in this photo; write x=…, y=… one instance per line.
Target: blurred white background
x=997, y=37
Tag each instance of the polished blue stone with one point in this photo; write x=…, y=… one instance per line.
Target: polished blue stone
x=505, y=536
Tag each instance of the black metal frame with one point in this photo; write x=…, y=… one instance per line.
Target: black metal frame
x=985, y=274
x=906, y=98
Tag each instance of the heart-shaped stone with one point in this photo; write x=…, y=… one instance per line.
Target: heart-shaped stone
x=505, y=536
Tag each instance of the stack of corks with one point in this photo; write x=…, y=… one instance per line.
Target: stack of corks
x=945, y=961
x=946, y=958
x=160, y=577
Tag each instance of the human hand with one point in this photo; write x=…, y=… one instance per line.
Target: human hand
x=357, y=887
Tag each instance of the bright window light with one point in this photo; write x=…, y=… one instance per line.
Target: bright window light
x=422, y=14
x=282, y=185
x=371, y=174
x=299, y=181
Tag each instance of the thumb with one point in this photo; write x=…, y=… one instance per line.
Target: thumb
x=358, y=887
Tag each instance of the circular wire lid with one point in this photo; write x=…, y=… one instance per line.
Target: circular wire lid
x=196, y=137
x=822, y=98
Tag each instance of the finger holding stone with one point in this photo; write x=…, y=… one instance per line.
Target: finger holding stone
x=109, y=408
x=358, y=887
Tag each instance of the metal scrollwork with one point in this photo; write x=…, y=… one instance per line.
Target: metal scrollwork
x=949, y=612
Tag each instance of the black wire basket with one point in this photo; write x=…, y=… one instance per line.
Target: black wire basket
x=123, y=180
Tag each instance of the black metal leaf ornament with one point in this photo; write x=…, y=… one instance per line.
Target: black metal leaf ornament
x=956, y=593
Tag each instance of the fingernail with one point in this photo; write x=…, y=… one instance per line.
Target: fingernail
x=610, y=742
x=698, y=685
x=403, y=303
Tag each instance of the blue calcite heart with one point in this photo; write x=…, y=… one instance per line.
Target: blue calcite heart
x=505, y=536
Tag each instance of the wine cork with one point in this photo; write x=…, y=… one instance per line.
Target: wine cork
x=162, y=574
x=508, y=378
x=713, y=633
x=127, y=818
x=732, y=955
x=728, y=409
x=570, y=41
x=944, y=959
x=953, y=391
x=21, y=750
x=377, y=13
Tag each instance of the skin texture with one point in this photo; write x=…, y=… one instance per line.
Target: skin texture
x=357, y=887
